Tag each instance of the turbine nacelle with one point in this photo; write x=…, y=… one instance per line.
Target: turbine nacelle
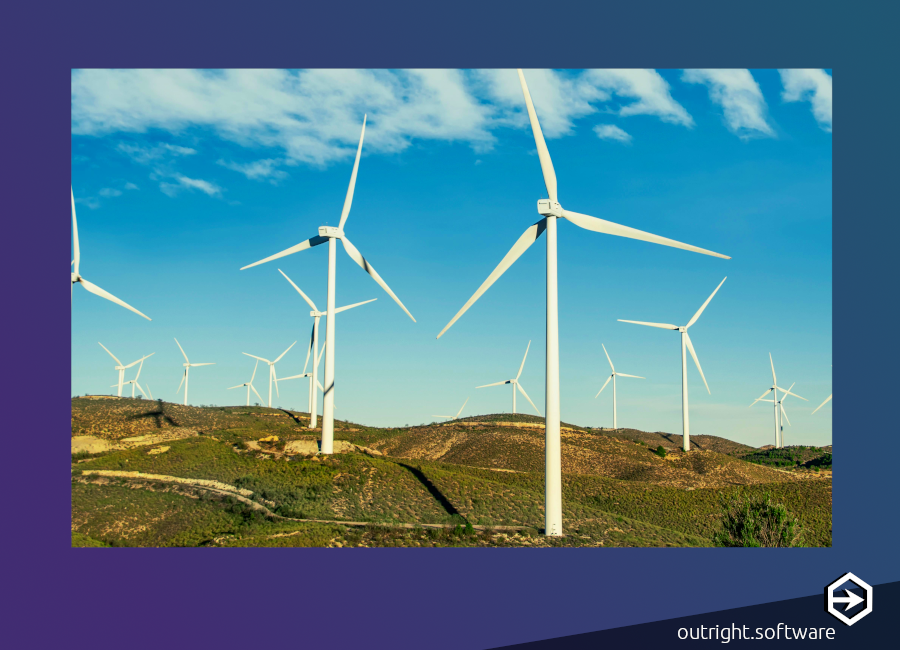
x=331, y=232
x=548, y=208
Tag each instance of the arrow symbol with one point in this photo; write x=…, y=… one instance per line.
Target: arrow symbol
x=851, y=599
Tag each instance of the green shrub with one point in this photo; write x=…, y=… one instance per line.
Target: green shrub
x=661, y=452
x=757, y=521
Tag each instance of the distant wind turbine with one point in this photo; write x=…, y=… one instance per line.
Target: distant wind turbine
x=134, y=382
x=76, y=272
x=551, y=211
x=613, y=377
x=331, y=234
x=515, y=384
x=187, y=367
x=122, y=368
x=453, y=417
x=314, y=382
x=272, y=369
x=685, y=343
x=778, y=408
x=250, y=385
x=313, y=345
x=781, y=416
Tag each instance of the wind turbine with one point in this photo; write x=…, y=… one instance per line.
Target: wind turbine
x=613, y=377
x=250, y=385
x=314, y=340
x=827, y=399
x=272, y=370
x=134, y=382
x=76, y=273
x=550, y=211
x=456, y=417
x=774, y=390
x=685, y=343
x=313, y=380
x=515, y=384
x=122, y=368
x=331, y=234
x=187, y=366
x=781, y=416
x=150, y=394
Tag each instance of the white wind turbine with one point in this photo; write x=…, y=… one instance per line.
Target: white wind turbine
x=685, y=343
x=779, y=439
x=272, y=370
x=331, y=234
x=134, y=382
x=187, y=366
x=613, y=377
x=550, y=211
x=76, y=273
x=122, y=368
x=515, y=384
x=250, y=385
x=313, y=381
x=456, y=417
x=313, y=346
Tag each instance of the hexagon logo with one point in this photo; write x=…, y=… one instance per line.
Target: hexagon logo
x=834, y=599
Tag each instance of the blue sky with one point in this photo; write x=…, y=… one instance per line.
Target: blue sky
x=182, y=177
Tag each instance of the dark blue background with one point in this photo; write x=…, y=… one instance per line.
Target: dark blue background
x=410, y=597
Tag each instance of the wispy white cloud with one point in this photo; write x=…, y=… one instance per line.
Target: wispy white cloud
x=812, y=85
x=90, y=201
x=146, y=154
x=740, y=97
x=611, y=132
x=650, y=91
x=183, y=182
x=109, y=192
x=131, y=186
x=266, y=169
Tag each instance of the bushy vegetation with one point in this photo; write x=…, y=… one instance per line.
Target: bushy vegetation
x=661, y=451
x=791, y=457
x=757, y=521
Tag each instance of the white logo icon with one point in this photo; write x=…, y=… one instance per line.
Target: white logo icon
x=834, y=599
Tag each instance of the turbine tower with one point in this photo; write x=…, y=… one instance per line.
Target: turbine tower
x=122, y=368
x=550, y=211
x=76, y=273
x=187, y=366
x=515, y=384
x=331, y=234
x=613, y=377
x=774, y=388
x=685, y=344
x=134, y=382
x=456, y=417
x=250, y=385
x=313, y=345
x=272, y=370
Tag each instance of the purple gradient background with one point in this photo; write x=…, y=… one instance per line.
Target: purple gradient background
x=476, y=598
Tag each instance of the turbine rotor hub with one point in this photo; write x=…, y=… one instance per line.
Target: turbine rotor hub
x=548, y=208
x=330, y=232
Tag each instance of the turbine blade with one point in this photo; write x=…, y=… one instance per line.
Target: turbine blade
x=138, y=375
x=760, y=398
x=292, y=377
x=253, y=388
x=275, y=377
x=305, y=297
x=322, y=352
x=449, y=417
x=664, y=326
x=784, y=413
x=285, y=352
x=523, y=361
x=610, y=228
x=193, y=365
x=787, y=392
x=703, y=306
x=77, y=261
x=321, y=388
x=522, y=244
x=183, y=375
x=774, y=381
x=302, y=246
x=309, y=349
x=348, y=201
x=602, y=387
x=238, y=386
x=612, y=367
x=690, y=347
x=97, y=291
x=522, y=390
x=149, y=392
x=109, y=353
x=543, y=152
x=182, y=351
x=827, y=399
x=357, y=257
x=255, y=357
x=365, y=302
x=253, y=376
x=461, y=408
x=499, y=383
x=139, y=387
x=622, y=374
